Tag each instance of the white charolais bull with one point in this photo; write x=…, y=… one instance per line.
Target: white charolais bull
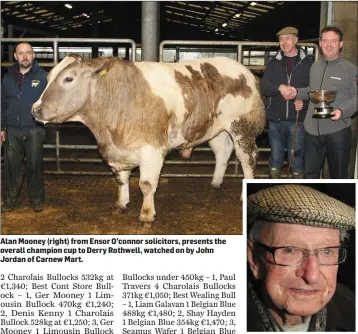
x=140, y=111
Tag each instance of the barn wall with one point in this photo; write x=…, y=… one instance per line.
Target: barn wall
x=344, y=16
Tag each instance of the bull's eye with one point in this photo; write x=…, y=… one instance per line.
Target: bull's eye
x=68, y=79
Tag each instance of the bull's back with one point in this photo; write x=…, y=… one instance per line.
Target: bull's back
x=164, y=71
x=193, y=81
x=224, y=65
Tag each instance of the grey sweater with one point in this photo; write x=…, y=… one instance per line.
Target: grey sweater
x=340, y=75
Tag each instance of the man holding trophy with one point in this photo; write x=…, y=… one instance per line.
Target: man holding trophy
x=333, y=100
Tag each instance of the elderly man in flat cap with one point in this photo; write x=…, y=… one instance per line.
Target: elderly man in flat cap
x=285, y=115
x=295, y=244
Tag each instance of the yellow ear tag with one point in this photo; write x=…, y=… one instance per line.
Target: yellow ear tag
x=103, y=72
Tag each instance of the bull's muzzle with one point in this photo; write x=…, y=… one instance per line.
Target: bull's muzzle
x=36, y=111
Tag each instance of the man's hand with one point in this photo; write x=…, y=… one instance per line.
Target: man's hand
x=3, y=136
x=287, y=92
x=336, y=114
x=293, y=91
x=299, y=105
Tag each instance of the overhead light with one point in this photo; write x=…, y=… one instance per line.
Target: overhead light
x=224, y=24
x=253, y=3
x=216, y=29
x=68, y=5
x=237, y=15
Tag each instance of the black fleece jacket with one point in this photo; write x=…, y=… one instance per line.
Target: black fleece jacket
x=277, y=108
x=17, y=100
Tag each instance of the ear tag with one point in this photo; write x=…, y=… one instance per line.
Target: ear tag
x=103, y=72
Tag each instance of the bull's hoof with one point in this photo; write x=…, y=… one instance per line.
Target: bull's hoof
x=146, y=218
x=215, y=186
x=122, y=208
x=146, y=215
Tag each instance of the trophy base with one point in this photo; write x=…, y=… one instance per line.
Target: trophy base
x=322, y=113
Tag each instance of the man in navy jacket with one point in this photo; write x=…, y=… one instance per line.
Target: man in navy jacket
x=21, y=134
x=285, y=116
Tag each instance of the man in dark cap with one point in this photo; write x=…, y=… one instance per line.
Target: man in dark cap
x=285, y=116
x=295, y=244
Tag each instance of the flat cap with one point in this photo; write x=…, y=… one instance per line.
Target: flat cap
x=288, y=31
x=297, y=204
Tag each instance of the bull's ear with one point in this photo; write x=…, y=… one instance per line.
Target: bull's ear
x=77, y=57
x=99, y=66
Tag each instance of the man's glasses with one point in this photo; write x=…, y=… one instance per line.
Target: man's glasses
x=295, y=256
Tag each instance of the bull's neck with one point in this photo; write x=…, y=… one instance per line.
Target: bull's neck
x=94, y=124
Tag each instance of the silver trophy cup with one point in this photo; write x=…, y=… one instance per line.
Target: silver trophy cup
x=322, y=100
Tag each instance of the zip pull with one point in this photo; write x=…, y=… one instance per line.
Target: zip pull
x=288, y=78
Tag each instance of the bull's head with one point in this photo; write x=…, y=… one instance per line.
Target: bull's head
x=67, y=91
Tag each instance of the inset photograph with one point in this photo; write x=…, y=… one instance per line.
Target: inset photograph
x=301, y=257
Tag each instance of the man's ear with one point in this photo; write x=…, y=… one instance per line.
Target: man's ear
x=341, y=44
x=254, y=261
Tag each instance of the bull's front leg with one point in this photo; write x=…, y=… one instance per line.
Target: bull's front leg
x=151, y=164
x=123, y=189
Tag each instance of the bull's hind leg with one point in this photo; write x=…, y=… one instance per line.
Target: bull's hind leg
x=247, y=158
x=123, y=189
x=245, y=148
x=222, y=147
x=151, y=164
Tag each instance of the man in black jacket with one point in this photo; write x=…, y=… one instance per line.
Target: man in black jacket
x=285, y=116
x=21, y=134
x=295, y=245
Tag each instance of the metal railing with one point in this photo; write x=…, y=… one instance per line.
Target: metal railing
x=238, y=44
x=58, y=147
x=55, y=42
